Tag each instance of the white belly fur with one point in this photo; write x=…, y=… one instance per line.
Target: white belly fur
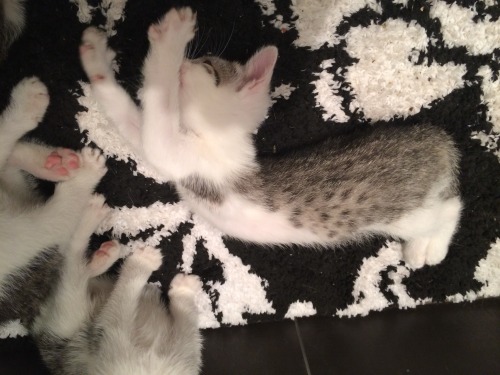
x=244, y=220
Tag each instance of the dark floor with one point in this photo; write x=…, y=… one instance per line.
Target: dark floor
x=439, y=339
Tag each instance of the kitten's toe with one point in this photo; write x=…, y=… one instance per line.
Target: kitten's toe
x=31, y=98
x=414, y=252
x=436, y=251
x=93, y=161
x=180, y=23
x=187, y=16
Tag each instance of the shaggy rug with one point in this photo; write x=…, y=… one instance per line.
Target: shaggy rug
x=343, y=64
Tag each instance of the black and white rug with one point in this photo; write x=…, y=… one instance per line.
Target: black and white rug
x=343, y=64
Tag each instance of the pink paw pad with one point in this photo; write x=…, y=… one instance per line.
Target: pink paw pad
x=62, y=161
x=104, y=249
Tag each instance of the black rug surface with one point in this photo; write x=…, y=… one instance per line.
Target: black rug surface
x=342, y=65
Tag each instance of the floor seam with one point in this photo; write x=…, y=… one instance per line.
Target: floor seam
x=302, y=348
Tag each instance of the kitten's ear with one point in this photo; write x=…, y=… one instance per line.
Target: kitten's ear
x=259, y=69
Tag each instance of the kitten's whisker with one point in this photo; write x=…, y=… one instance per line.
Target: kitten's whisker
x=230, y=36
x=206, y=39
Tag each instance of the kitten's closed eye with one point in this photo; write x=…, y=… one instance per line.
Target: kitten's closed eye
x=207, y=64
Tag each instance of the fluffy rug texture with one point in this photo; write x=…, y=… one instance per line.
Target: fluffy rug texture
x=343, y=64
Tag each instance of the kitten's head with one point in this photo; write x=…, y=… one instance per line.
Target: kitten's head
x=219, y=94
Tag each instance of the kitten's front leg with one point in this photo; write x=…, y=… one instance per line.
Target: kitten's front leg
x=161, y=116
x=96, y=60
x=46, y=163
x=28, y=103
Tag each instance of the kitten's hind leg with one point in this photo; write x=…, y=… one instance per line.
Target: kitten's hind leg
x=121, y=307
x=430, y=246
x=439, y=243
x=46, y=163
x=28, y=103
x=97, y=60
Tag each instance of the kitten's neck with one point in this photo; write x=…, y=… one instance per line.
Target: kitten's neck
x=224, y=157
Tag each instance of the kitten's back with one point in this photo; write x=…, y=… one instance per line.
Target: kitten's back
x=353, y=180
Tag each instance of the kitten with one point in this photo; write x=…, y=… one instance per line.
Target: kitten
x=93, y=325
x=12, y=20
x=196, y=128
x=32, y=229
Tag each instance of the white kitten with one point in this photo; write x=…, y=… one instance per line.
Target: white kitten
x=93, y=325
x=31, y=229
x=196, y=128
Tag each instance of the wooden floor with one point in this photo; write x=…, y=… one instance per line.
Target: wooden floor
x=441, y=339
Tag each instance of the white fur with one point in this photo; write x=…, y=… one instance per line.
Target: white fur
x=26, y=225
x=136, y=334
x=190, y=126
x=14, y=15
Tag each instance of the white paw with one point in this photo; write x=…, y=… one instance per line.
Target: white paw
x=95, y=55
x=185, y=284
x=414, y=252
x=424, y=251
x=104, y=257
x=148, y=257
x=436, y=251
x=93, y=162
x=178, y=23
x=31, y=98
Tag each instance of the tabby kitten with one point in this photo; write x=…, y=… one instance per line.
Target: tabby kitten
x=196, y=128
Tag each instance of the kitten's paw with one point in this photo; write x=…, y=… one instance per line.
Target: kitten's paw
x=95, y=55
x=61, y=164
x=414, y=252
x=179, y=23
x=183, y=283
x=30, y=99
x=425, y=251
x=148, y=257
x=92, y=162
x=104, y=257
